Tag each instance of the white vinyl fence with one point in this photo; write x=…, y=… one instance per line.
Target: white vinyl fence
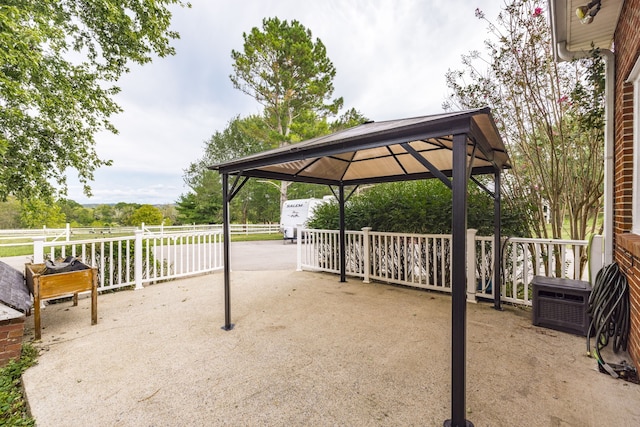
x=154, y=254
x=22, y=237
x=424, y=260
x=234, y=229
x=127, y=256
x=140, y=258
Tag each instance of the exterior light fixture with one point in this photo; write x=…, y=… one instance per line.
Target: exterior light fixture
x=588, y=12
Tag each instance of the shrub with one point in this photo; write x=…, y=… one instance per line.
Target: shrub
x=415, y=207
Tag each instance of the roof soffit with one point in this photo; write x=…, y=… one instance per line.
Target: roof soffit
x=567, y=30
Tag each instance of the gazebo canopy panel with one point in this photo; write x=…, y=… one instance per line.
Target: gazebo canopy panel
x=394, y=150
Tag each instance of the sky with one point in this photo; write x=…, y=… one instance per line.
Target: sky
x=391, y=57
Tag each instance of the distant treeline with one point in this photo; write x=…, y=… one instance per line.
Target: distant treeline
x=15, y=215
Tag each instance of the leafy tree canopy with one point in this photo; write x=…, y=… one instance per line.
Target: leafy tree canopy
x=348, y=119
x=10, y=214
x=202, y=204
x=37, y=213
x=289, y=73
x=550, y=114
x=147, y=214
x=286, y=71
x=59, y=61
x=75, y=214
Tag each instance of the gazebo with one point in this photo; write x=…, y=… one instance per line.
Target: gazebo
x=454, y=147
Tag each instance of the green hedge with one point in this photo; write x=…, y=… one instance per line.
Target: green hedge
x=415, y=207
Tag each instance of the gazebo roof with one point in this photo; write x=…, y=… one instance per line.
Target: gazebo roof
x=394, y=150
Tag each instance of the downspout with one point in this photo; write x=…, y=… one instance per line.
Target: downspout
x=609, y=78
x=609, y=90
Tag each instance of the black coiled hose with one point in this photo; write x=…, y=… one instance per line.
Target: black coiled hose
x=610, y=312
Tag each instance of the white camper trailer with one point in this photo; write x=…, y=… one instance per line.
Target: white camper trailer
x=295, y=213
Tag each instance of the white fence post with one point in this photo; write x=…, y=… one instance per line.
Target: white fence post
x=68, y=232
x=366, y=253
x=471, y=265
x=298, y=248
x=596, y=257
x=137, y=256
x=38, y=249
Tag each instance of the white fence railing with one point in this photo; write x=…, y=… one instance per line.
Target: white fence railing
x=233, y=228
x=16, y=238
x=127, y=256
x=141, y=258
x=418, y=260
x=424, y=260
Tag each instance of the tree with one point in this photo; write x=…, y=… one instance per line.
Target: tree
x=104, y=214
x=123, y=212
x=147, y=214
x=290, y=75
x=203, y=203
x=348, y=119
x=38, y=214
x=75, y=214
x=169, y=214
x=10, y=214
x=59, y=61
x=550, y=116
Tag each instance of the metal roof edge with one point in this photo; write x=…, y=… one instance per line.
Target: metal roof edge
x=443, y=120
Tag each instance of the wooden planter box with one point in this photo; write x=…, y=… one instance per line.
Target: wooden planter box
x=46, y=286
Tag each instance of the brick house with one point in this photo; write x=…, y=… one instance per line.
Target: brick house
x=614, y=27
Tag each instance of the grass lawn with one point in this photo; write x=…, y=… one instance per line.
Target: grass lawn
x=6, y=251
x=255, y=237
x=566, y=228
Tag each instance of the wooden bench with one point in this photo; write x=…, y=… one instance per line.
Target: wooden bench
x=46, y=286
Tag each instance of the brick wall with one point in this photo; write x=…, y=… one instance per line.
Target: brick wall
x=634, y=335
x=626, y=247
x=11, y=331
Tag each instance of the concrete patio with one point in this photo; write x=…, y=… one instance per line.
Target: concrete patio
x=307, y=350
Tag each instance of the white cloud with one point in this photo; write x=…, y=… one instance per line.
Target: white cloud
x=391, y=57
x=118, y=185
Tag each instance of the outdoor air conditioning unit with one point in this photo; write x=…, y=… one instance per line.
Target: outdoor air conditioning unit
x=561, y=304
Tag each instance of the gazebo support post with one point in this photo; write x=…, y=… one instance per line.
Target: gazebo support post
x=459, y=284
x=226, y=236
x=497, y=243
x=342, y=236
